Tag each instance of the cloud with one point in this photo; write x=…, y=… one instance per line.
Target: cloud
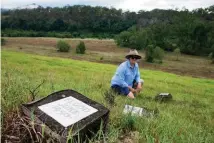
x=57, y=3
x=135, y=5
x=132, y=5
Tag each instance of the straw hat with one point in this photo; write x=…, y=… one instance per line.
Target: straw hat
x=133, y=53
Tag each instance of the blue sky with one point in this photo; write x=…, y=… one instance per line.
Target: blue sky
x=132, y=5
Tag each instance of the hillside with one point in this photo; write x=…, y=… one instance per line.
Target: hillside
x=188, y=118
x=106, y=51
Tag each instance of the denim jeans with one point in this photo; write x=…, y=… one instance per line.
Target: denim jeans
x=124, y=90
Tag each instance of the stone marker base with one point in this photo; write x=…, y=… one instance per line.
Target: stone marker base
x=163, y=97
x=81, y=130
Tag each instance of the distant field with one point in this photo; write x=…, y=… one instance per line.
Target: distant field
x=106, y=51
x=189, y=118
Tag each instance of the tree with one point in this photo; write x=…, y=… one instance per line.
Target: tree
x=123, y=39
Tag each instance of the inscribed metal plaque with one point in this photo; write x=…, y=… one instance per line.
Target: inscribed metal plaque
x=67, y=111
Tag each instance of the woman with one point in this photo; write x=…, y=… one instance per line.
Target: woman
x=126, y=80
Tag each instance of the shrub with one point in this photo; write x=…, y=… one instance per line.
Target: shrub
x=62, y=46
x=177, y=53
x=158, y=54
x=149, y=53
x=81, y=48
x=3, y=41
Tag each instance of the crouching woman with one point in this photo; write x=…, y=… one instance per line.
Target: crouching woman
x=126, y=80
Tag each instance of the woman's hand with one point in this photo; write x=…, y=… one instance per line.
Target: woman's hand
x=139, y=87
x=132, y=89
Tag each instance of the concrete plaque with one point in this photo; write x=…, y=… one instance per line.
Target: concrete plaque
x=138, y=111
x=67, y=111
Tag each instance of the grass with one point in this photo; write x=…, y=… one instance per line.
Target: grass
x=188, y=118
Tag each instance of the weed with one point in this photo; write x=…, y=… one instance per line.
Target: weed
x=109, y=97
x=128, y=122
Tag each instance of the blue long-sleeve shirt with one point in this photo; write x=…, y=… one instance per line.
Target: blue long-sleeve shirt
x=126, y=74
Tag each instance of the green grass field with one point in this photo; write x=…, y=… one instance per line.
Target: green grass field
x=188, y=118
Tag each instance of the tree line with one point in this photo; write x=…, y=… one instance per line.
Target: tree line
x=191, y=31
x=76, y=20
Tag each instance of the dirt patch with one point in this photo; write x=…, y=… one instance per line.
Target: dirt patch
x=131, y=137
x=201, y=71
x=94, y=45
x=18, y=128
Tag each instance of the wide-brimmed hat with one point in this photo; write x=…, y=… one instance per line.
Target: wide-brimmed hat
x=133, y=53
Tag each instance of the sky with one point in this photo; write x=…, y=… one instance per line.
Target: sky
x=131, y=5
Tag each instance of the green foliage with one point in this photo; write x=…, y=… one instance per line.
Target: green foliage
x=3, y=41
x=63, y=46
x=80, y=49
x=99, y=21
x=123, y=39
x=154, y=53
x=109, y=97
x=128, y=122
x=193, y=37
x=158, y=54
x=177, y=52
x=58, y=34
x=142, y=39
x=149, y=53
x=133, y=38
x=184, y=29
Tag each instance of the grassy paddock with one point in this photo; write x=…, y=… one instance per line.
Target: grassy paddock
x=189, y=118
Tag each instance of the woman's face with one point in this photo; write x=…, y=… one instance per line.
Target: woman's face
x=133, y=59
